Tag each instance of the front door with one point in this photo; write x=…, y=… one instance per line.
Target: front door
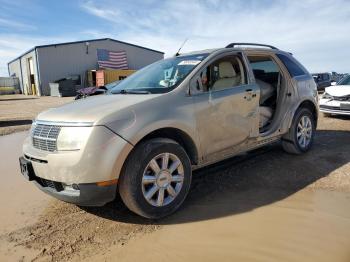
x=226, y=106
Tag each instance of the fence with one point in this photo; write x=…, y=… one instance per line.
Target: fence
x=9, y=85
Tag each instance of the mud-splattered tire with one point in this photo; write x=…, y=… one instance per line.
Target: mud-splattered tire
x=156, y=178
x=300, y=136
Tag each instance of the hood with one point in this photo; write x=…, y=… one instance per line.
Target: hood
x=93, y=109
x=341, y=90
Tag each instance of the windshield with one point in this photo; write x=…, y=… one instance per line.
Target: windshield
x=345, y=81
x=159, y=77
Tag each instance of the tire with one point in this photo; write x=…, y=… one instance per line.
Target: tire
x=290, y=142
x=138, y=178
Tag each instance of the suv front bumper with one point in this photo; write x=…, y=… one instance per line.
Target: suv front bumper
x=101, y=159
x=335, y=107
x=84, y=177
x=86, y=194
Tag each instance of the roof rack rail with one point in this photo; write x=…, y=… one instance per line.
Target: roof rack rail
x=253, y=44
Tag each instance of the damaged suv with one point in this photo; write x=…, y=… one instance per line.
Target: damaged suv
x=145, y=136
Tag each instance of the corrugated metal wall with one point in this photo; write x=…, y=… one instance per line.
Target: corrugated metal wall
x=9, y=82
x=15, y=68
x=9, y=85
x=56, y=62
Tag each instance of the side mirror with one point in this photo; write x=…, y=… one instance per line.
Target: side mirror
x=195, y=85
x=198, y=83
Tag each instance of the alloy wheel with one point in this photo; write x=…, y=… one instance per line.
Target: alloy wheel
x=304, y=131
x=162, y=179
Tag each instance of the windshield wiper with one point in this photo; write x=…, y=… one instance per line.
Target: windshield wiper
x=125, y=91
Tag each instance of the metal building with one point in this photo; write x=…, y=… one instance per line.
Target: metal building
x=43, y=64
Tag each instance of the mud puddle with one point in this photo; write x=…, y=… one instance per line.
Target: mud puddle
x=307, y=226
x=20, y=201
x=269, y=207
x=65, y=231
x=35, y=226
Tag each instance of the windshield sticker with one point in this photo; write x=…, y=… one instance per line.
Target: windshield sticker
x=189, y=62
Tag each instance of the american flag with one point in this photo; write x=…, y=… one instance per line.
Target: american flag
x=112, y=59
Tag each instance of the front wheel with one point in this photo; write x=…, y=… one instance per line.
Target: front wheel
x=301, y=134
x=156, y=178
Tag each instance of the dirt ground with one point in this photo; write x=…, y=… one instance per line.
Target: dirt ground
x=18, y=111
x=263, y=206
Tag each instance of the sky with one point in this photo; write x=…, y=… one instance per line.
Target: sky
x=316, y=32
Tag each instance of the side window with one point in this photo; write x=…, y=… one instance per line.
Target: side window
x=292, y=67
x=222, y=74
x=265, y=70
x=267, y=77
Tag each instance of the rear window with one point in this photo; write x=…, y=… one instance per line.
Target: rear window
x=292, y=67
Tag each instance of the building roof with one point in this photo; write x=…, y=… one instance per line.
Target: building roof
x=83, y=41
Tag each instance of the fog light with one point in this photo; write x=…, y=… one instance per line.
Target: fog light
x=72, y=187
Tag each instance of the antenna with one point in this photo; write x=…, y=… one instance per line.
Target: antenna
x=177, y=53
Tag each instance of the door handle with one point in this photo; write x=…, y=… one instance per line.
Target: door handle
x=250, y=94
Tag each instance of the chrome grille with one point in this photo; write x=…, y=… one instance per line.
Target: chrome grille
x=45, y=137
x=341, y=98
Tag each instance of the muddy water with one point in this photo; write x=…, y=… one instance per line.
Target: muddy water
x=270, y=207
x=20, y=201
x=307, y=226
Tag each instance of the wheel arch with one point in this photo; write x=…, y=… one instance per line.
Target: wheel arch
x=289, y=139
x=311, y=106
x=304, y=104
x=178, y=136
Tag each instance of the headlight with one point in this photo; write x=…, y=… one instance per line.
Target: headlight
x=72, y=138
x=32, y=127
x=326, y=96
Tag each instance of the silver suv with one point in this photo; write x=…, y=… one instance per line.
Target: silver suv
x=145, y=136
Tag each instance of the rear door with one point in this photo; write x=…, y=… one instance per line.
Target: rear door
x=226, y=116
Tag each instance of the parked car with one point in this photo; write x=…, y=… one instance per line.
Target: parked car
x=336, y=99
x=322, y=80
x=144, y=138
